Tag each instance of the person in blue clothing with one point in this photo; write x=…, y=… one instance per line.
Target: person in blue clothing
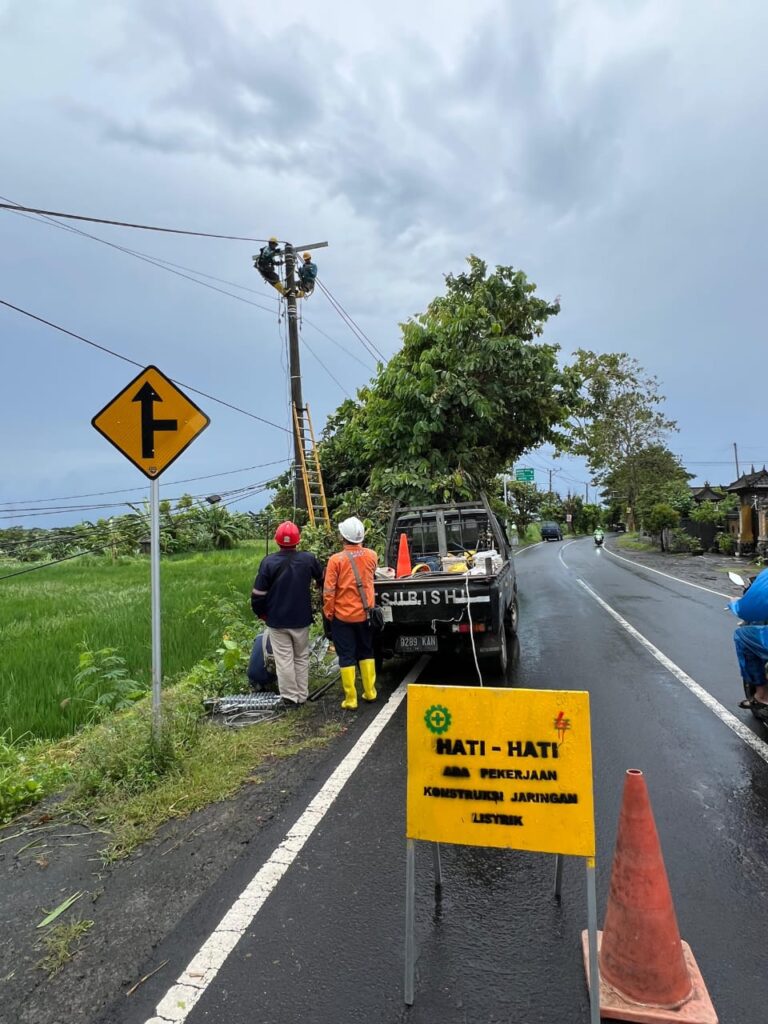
x=281, y=596
x=262, y=674
x=751, y=642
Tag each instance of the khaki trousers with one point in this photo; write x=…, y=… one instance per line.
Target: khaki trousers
x=291, y=650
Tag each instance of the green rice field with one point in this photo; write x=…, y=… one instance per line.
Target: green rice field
x=45, y=615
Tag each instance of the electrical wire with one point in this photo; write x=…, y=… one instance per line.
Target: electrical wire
x=30, y=513
x=126, y=359
x=126, y=490
x=361, y=336
x=126, y=224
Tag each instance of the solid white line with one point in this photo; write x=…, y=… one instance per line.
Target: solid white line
x=631, y=561
x=706, y=698
x=528, y=547
x=180, y=999
x=562, y=549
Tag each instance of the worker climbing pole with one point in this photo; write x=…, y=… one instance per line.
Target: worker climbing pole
x=308, y=490
x=267, y=261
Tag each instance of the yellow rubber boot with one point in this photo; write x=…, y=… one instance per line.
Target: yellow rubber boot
x=349, y=688
x=368, y=675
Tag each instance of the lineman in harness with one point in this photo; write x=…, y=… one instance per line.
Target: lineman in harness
x=267, y=260
x=307, y=274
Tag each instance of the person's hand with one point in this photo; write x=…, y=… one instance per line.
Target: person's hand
x=327, y=628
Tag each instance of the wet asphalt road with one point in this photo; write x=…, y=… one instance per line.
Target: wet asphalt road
x=327, y=945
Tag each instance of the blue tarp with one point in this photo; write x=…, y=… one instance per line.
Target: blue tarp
x=753, y=606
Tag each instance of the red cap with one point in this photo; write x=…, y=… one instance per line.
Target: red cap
x=287, y=535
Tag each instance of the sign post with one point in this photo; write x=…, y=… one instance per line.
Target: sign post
x=152, y=443
x=500, y=768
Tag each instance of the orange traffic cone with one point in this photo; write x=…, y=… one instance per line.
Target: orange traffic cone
x=647, y=973
x=403, y=558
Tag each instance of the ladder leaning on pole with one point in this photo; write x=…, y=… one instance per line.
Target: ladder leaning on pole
x=312, y=477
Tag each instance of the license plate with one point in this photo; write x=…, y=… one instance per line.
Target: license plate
x=415, y=644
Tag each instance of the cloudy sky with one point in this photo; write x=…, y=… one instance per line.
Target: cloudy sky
x=615, y=150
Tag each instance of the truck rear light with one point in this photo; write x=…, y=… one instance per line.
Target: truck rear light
x=477, y=627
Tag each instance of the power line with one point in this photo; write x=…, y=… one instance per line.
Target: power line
x=126, y=490
x=126, y=359
x=167, y=265
x=358, y=333
x=34, y=512
x=125, y=224
x=314, y=355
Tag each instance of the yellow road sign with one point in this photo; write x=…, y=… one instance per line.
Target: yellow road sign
x=498, y=767
x=151, y=422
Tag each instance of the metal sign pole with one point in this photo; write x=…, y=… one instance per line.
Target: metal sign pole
x=154, y=572
x=594, y=970
x=410, y=914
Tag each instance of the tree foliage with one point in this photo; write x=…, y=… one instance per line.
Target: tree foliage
x=618, y=423
x=523, y=503
x=470, y=390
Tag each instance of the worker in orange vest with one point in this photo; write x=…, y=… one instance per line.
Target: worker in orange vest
x=347, y=599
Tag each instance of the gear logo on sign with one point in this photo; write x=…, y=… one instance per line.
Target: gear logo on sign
x=438, y=719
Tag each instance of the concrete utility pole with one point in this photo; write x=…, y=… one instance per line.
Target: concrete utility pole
x=736, y=457
x=294, y=362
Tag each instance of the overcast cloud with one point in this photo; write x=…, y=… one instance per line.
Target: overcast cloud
x=615, y=151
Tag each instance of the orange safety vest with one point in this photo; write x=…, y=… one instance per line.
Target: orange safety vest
x=341, y=597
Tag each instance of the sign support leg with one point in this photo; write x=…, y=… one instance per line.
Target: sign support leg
x=438, y=866
x=410, y=913
x=154, y=572
x=594, y=970
x=558, y=875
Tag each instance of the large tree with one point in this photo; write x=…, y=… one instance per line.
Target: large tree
x=618, y=419
x=470, y=390
x=647, y=477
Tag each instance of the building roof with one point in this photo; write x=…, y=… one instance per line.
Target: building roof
x=706, y=493
x=754, y=481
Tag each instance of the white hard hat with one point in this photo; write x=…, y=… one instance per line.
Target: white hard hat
x=352, y=530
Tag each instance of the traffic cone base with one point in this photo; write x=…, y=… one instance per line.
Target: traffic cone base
x=697, y=1009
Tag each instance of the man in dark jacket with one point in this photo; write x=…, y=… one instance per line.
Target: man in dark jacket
x=281, y=595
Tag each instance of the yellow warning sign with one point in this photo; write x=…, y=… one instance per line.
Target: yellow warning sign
x=509, y=768
x=151, y=422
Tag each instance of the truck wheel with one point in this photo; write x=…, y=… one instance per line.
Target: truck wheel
x=512, y=617
x=502, y=658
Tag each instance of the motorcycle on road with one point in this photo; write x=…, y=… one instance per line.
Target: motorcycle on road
x=753, y=611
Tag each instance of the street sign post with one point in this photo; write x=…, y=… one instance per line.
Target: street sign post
x=525, y=476
x=500, y=768
x=152, y=438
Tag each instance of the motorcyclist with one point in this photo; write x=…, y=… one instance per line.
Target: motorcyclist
x=598, y=535
x=751, y=641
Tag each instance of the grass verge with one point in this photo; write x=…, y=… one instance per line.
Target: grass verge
x=634, y=542
x=61, y=943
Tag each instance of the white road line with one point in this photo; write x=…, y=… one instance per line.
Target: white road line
x=631, y=561
x=706, y=698
x=521, y=551
x=181, y=998
x=562, y=549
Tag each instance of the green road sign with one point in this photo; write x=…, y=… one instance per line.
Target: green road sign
x=525, y=475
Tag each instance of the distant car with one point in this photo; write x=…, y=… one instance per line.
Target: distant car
x=551, y=531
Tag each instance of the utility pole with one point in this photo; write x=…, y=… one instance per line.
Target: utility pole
x=736, y=457
x=294, y=362
x=586, y=490
x=550, y=482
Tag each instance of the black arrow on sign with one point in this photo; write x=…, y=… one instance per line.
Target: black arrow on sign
x=149, y=425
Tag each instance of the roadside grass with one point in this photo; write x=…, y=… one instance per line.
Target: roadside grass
x=61, y=943
x=634, y=542
x=112, y=776
x=45, y=615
